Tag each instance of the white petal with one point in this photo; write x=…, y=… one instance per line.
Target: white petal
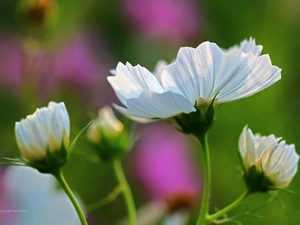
x=39, y=134
x=251, y=76
x=194, y=71
x=243, y=142
x=266, y=146
x=245, y=46
x=113, y=72
x=250, y=46
x=232, y=59
x=156, y=105
x=30, y=148
x=57, y=133
x=289, y=162
x=252, y=159
x=159, y=68
x=130, y=81
x=132, y=116
x=64, y=117
x=145, y=79
x=288, y=174
x=21, y=135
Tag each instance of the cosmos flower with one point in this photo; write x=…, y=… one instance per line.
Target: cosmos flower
x=268, y=163
x=193, y=80
x=43, y=137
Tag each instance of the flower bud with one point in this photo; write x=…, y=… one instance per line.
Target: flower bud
x=43, y=137
x=108, y=135
x=268, y=163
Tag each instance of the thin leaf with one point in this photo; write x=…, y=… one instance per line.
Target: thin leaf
x=78, y=135
x=106, y=200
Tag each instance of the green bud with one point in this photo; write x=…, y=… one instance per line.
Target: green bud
x=108, y=135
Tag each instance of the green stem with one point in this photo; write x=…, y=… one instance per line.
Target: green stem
x=227, y=209
x=102, y=202
x=126, y=191
x=207, y=179
x=60, y=178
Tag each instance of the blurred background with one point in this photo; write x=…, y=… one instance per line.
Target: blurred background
x=63, y=51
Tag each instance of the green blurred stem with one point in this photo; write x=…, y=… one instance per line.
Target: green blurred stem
x=202, y=137
x=60, y=178
x=227, y=209
x=102, y=202
x=126, y=191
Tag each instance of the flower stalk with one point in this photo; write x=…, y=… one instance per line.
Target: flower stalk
x=202, y=137
x=215, y=216
x=60, y=178
x=126, y=191
x=204, y=217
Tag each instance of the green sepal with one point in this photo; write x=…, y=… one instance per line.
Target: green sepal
x=14, y=162
x=53, y=161
x=197, y=122
x=110, y=148
x=257, y=181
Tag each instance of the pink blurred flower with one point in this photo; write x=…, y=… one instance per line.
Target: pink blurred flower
x=163, y=166
x=75, y=65
x=10, y=61
x=170, y=20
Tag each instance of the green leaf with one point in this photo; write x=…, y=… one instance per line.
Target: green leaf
x=78, y=135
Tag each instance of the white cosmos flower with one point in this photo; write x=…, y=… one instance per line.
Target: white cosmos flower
x=277, y=161
x=48, y=129
x=197, y=74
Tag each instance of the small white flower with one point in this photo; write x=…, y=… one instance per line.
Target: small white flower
x=276, y=161
x=48, y=129
x=196, y=76
x=107, y=123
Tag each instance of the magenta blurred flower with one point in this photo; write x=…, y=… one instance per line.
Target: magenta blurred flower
x=170, y=20
x=163, y=166
x=73, y=65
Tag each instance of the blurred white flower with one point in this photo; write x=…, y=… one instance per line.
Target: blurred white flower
x=109, y=137
x=106, y=124
x=34, y=199
x=44, y=133
x=196, y=76
x=268, y=163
